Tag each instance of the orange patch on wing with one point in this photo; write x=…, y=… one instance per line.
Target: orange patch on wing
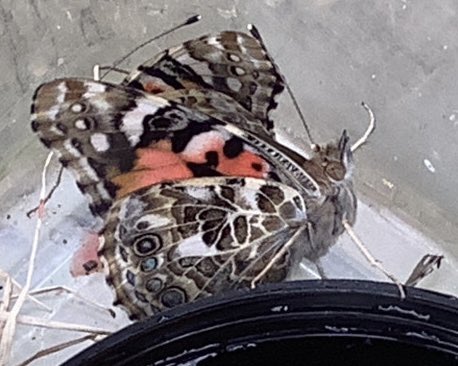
x=247, y=164
x=154, y=88
x=154, y=165
x=158, y=163
x=85, y=260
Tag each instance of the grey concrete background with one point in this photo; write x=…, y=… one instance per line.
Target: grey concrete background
x=399, y=56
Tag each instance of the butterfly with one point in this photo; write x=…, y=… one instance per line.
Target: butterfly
x=181, y=162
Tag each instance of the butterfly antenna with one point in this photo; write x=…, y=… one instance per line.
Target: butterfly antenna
x=189, y=21
x=299, y=112
x=424, y=267
x=255, y=33
x=370, y=128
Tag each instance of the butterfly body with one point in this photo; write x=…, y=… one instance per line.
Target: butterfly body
x=183, y=166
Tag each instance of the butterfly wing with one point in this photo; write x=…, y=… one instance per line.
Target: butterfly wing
x=219, y=106
x=117, y=140
x=233, y=63
x=175, y=242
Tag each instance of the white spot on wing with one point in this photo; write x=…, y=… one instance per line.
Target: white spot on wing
x=239, y=71
x=103, y=191
x=234, y=84
x=88, y=170
x=240, y=42
x=76, y=108
x=62, y=91
x=202, y=142
x=94, y=88
x=80, y=125
x=132, y=122
x=52, y=112
x=100, y=142
x=100, y=103
x=250, y=197
x=155, y=221
x=214, y=42
x=195, y=246
x=233, y=57
x=71, y=149
x=56, y=131
x=201, y=193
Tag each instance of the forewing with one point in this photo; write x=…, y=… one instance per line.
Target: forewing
x=219, y=106
x=176, y=242
x=116, y=140
x=232, y=63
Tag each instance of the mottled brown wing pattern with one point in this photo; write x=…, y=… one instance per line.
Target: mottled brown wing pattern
x=116, y=140
x=198, y=110
x=219, y=106
x=212, y=62
x=176, y=242
x=79, y=120
x=233, y=63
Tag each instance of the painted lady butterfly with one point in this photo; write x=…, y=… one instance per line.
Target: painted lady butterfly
x=182, y=163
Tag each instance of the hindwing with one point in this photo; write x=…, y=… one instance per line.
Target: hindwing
x=175, y=242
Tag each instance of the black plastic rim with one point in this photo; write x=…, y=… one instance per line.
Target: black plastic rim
x=336, y=322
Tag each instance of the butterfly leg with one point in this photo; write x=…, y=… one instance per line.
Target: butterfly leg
x=320, y=269
x=363, y=139
x=374, y=262
x=277, y=256
x=425, y=266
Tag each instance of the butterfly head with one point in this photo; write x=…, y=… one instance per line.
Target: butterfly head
x=335, y=159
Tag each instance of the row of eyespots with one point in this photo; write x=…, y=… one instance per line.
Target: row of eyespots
x=169, y=297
